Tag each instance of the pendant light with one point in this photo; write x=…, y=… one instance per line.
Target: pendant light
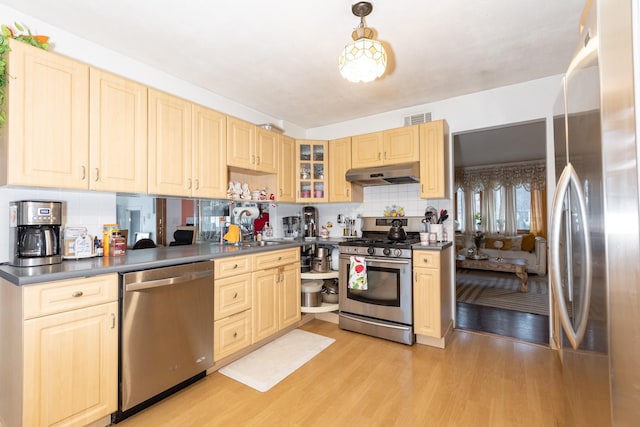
x=363, y=59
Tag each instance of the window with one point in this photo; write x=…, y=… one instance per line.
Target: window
x=523, y=208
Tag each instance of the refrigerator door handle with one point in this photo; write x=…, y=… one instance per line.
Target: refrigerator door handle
x=569, y=179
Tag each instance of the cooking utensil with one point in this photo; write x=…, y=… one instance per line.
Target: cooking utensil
x=396, y=232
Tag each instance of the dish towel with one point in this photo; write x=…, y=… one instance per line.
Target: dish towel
x=233, y=234
x=357, y=273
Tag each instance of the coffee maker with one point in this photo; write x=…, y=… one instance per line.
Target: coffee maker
x=310, y=218
x=34, y=233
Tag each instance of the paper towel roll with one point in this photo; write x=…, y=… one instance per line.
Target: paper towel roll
x=253, y=212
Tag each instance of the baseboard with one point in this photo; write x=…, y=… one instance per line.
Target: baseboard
x=437, y=342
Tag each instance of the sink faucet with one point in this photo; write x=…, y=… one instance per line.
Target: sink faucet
x=246, y=227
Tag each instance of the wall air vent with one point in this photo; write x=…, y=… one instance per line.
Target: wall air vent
x=415, y=119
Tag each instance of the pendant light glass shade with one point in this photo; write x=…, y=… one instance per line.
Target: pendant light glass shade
x=362, y=60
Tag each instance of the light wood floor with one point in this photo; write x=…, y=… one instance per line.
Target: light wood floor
x=477, y=380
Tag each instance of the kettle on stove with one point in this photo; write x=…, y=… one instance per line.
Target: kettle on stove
x=396, y=232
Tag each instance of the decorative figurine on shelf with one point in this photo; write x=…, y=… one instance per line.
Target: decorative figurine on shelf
x=237, y=190
x=230, y=190
x=246, y=193
x=263, y=194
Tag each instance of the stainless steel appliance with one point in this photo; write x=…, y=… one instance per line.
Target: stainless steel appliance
x=291, y=227
x=166, y=336
x=593, y=240
x=34, y=235
x=406, y=173
x=385, y=308
x=310, y=218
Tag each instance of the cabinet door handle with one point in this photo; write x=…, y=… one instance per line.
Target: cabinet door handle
x=281, y=192
x=235, y=266
x=415, y=277
x=347, y=192
x=421, y=187
x=113, y=321
x=425, y=260
x=235, y=334
x=257, y=160
x=197, y=184
x=379, y=155
x=84, y=172
x=235, y=295
x=97, y=174
x=385, y=155
x=77, y=294
x=189, y=183
x=253, y=160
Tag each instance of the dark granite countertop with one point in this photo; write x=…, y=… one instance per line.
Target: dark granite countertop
x=431, y=246
x=141, y=259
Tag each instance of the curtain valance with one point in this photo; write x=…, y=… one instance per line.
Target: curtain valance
x=531, y=175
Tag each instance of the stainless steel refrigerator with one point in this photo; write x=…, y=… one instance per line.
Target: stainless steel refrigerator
x=594, y=241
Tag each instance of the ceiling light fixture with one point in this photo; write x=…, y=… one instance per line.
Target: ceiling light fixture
x=363, y=59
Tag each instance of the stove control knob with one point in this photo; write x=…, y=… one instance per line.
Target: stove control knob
x=386, y=251
x=397, y=252
x=371, y=250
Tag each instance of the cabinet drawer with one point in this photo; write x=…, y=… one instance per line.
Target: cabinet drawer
x=227, y=267
x=231, y=334
x=65, y=295
x=426, y=259
x=232, y=295
x=276, y=258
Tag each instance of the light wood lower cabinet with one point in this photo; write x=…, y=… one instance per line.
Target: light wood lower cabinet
x=255, y=297
x=432, y=317
x=276, y=292
x=63, y=367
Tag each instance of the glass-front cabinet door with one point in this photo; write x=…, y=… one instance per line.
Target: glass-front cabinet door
x=311, y=171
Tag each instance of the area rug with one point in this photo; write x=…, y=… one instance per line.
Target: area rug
x=502, y=290
x=270, y=364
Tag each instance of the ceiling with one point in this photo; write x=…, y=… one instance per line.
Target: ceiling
x=280, y=57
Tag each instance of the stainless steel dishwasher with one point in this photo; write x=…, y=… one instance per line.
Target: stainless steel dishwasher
x=166, y=336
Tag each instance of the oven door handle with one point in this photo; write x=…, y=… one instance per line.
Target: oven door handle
x=387, y=261
x=369, y=322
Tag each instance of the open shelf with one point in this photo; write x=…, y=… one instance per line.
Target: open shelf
x=311, y=275
x=324, y=308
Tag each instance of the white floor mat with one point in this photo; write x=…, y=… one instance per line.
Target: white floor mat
x=270, y=364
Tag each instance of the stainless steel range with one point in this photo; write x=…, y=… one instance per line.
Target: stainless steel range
x=385, y=308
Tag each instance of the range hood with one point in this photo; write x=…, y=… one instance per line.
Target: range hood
x=405, y=173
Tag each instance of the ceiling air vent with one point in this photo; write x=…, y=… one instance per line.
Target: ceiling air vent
x=415, y=119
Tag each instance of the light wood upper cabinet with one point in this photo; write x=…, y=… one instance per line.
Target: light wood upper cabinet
x=240, y=143
x=401, y=145
x=393, y=146
x=340, y=162
x=251, y=147
x=366, y=150
x=266, y=151
x=45, y=137
x=434, y=159
x=187, y=148
x=209, y=154
x=286, y=170
x=117, y=133
x=169, y=144
x=312, y=171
